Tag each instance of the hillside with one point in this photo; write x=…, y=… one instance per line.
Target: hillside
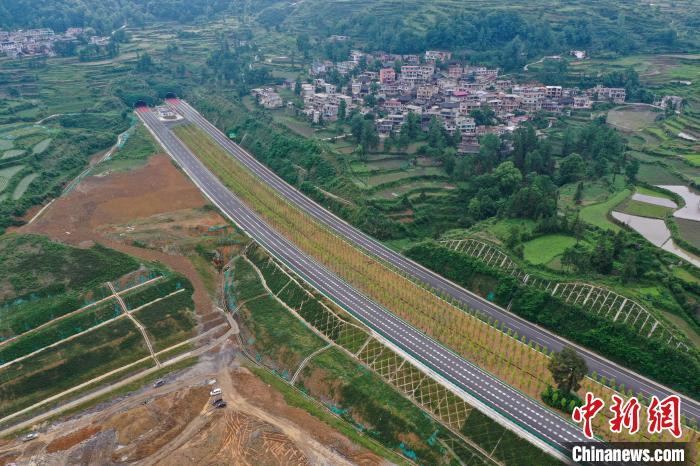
x=529, y=28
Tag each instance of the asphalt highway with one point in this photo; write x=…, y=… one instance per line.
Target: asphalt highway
x=596, y=363
x=520, y=409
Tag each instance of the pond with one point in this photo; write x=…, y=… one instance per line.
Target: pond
x=656, y=232
x=691, y=210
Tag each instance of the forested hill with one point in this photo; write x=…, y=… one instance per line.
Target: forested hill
x=107, y=15
x=513, y=30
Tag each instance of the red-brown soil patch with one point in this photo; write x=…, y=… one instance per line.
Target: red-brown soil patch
x=72, y=439
x=259, y=394
x=97, y=202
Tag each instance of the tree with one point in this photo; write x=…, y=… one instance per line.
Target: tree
x=342, y=110
x=483, y=116
x=297, y=86
x=571, y=169
x=356, y=124
x=369, y=138
x=508, y=176
x=568, y=369
x=602, y=257
x=576, y=256
x=411, y=127
x=144, y=63
x=524, y=141
x=489, y=147
x=631, y=170
x=629, y=268
x=435, y=136
x=304, y=44
x=578, y=195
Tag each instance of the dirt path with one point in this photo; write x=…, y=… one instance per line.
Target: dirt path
x=108, y=389
x=138, y=325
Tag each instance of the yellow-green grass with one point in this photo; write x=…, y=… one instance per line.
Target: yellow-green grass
x=593, y=192
x=694, y=159
x=597, y=214
x=689, y=230
x=631, y=118
x=545, y=248
x=651, y=192
x=684, y=275
x=643, y=209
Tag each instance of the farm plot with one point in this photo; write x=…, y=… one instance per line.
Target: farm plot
x=6, y=175
x=631, y=118
x=11, y=154
x=22, y=186
x=545, y=248
x=41, y=146
x=643, y=209
x=597, y=214
x=374, y=181
x=689, y=230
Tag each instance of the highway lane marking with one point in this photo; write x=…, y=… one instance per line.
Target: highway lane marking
x=425, y=275
x=253, y=220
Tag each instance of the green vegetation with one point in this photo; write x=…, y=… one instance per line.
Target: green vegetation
x=295, y=398
x=35, y=267
x=43, y=281
x=613, y=340
x=688, y=231
x=170, y=320
x=69, y=364
x=246, y=283
x=654, y=192
x=347, y=388
x=507, y=446
x=157, y=290
x=134, y=153
x=543, y=249
x=597, y=214
x=58, y=331
x=643, y=209
x=278, y=334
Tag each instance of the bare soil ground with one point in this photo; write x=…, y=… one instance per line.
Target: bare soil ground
x=97, y=207
x=156, y=207
x=176, y=425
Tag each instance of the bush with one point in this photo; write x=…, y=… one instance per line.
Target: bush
x=562, y=401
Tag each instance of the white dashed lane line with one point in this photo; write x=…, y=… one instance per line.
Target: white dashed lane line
x=497, y=394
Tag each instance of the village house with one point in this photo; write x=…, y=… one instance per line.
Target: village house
x=582, y=102
x=455, y=71
x=450, y=96
x=426, y=91
x=387, y=75
x=434, y=55
x=616, y=95
x=267, y=97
